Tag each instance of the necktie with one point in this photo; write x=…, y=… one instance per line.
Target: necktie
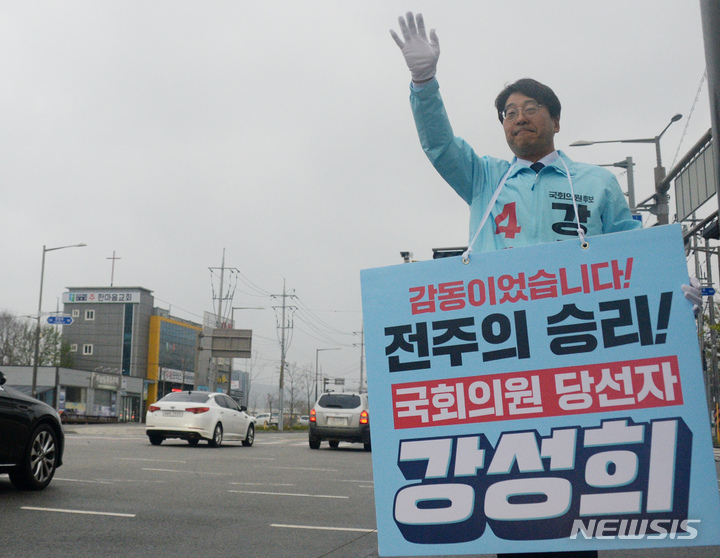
x=536, y=167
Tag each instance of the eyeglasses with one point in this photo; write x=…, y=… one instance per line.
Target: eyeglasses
x=529, y=109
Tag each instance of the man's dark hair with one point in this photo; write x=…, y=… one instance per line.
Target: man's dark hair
x=533, y=89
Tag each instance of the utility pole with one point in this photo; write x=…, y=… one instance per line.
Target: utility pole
x=221, y=322
x=283, y=351
x=281, y=410
x=362, y=355
x=218, y=316
x=710, y=15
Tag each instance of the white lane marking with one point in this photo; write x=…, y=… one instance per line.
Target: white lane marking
x=319, y=528
x=151, y=460
x=81, y=512
x=178, y=471
x=289, y=494
x=110, y=481
x=261, y=484
x=82, y=480
x=305, y=469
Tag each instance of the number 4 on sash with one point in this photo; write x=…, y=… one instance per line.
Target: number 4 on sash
x=511, y=228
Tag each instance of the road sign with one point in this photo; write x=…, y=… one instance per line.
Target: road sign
x=60, y=320
x=231, y=343
x=708, y=291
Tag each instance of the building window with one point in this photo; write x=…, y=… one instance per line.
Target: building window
x=73, y=348
x=75, y=400
x=87, y=349
x=76, y=313
x=102, y=397
x=127, y=340
x=89, y=315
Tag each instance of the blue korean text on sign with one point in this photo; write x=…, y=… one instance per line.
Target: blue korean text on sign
x=708, y=291
x=539, y=399
x=60, y=320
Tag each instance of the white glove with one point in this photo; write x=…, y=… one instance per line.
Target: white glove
x=421, y=55
x=693, y=294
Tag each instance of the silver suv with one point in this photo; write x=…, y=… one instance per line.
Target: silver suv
x=340, y=417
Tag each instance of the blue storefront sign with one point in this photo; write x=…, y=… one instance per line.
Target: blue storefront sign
x=539, y=399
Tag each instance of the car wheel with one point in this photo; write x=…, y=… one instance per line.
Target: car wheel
x=193, y=441
x=39, y=462
x=334, y=444
x=368, y=446
x=217, y=438
x=250, y=437
x=314, y=444
x=155, y=440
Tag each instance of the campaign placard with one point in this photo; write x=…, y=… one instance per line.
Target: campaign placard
x=548, y=398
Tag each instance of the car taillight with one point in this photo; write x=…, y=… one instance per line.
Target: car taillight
x=312, y=416
x=153, y=408
x=198, y=410
x=364, y=417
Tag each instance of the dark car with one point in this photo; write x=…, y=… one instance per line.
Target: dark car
x=340, y=417
x=31, y=439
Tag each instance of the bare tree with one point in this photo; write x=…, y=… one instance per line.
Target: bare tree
x=307, y=385
x=254, y=370
x=291, y=385
x=11, y=330
x=17, y=342
x=253, y=404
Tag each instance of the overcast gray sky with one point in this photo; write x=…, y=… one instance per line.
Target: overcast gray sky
x=280, y=131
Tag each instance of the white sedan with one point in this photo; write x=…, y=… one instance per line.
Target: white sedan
x=199, y=415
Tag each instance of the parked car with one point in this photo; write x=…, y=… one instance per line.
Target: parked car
x=273, y=419
x=304, y=420
x=199, y=415
x=263, y=419
x=340, y=417
x=31, y=439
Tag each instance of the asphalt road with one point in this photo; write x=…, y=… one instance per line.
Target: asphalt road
x=119, y=496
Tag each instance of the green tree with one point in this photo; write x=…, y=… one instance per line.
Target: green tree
x=66, y=357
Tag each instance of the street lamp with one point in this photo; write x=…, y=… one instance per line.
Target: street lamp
x=316, y=367
x=628, y=165
x=33, y=390
x=660, y=190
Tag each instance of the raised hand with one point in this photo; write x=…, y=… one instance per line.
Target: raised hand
x=421, y=55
